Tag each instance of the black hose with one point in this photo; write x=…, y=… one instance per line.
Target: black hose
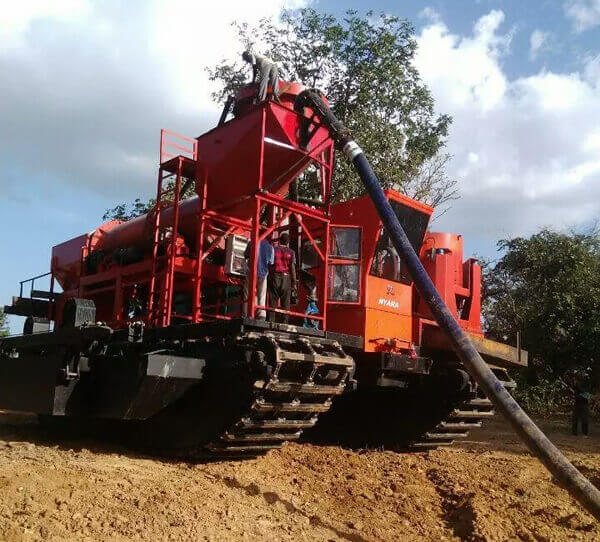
x=577, y=484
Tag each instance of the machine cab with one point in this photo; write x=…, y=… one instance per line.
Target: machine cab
x=370, y=292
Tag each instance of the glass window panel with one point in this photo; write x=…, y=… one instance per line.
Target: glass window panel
x=413, y=222
x=345, y=243
x=344, y=281
x=386, y=262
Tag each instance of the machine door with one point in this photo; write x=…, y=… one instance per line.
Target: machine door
x=344, y=264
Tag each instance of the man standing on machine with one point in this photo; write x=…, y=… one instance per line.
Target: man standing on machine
x=283, y=279
x=265, y=258
x=265, y=73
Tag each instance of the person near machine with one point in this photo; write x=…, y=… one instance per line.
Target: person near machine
x=309, y=282
x=134, y=308
x=283, y=279
x=581, y=409
x=581, y=403
x=266, y=257
x=265, y=73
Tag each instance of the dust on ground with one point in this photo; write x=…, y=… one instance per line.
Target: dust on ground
x=489, y=488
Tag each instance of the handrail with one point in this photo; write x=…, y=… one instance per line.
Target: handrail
x=172, y=140
x=32, y=280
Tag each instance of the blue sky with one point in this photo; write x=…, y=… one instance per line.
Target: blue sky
x=522, y=16
x=87, y=86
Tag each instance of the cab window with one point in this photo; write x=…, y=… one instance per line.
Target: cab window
x=344, y=283
x=344, y=264
x=345, y=243
x=386, y=262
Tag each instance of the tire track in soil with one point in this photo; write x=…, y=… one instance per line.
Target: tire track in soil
x=271, y=498
x=458, y=512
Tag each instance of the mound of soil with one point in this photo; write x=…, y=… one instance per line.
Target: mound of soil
x=489, y=488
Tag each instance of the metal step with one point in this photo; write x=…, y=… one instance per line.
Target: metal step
x=480, y=402
x=458, y=426
x=444, y=436
x=293, y=387
x=471, y=414
x=261, y=406
x=258, y=437
x=278, y=424
x=430, y=445
x=509, y=384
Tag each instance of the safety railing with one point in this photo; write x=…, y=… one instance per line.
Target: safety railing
x=173, y=144
x=32, y=290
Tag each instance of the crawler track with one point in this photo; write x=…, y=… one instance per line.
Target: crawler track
x=301, y=378
x=464, y=415
x=420, y=417
x=277, y=389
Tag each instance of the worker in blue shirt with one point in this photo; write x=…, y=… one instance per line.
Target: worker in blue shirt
x=266, y=257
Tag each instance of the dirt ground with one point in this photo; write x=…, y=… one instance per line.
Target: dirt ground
x=489, y=488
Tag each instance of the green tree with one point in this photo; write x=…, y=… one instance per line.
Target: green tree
x=364, y=65
x=3, y=324
x=547, y=287
x=127, y=211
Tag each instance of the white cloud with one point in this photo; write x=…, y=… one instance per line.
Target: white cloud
x=592, y=141
x=463, y=70
x=538, y=41
x=592, y=70
x=86, y=86
x=184, y=49
x=584, y=14
x=16, y=18
x=485, y=32
x=525, y=149
x=430, y=14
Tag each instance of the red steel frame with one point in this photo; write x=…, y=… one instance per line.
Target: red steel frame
x=171, y=267
x=206, y=217
x=308, y=220
x=323, y=156
x=162, y=277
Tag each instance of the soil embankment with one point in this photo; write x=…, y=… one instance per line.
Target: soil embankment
x=489, y=488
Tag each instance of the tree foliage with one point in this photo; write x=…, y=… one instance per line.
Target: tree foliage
x=364, y=65
x=431, y=184
x=128, y=211
x=547, y=287
x=3, y=324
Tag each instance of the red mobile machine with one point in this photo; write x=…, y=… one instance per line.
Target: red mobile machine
x=151, y=329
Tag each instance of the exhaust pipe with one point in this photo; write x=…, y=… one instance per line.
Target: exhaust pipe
x=575, y=483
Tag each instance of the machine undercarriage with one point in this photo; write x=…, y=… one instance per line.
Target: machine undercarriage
x=234, y=389
x=409, y=412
